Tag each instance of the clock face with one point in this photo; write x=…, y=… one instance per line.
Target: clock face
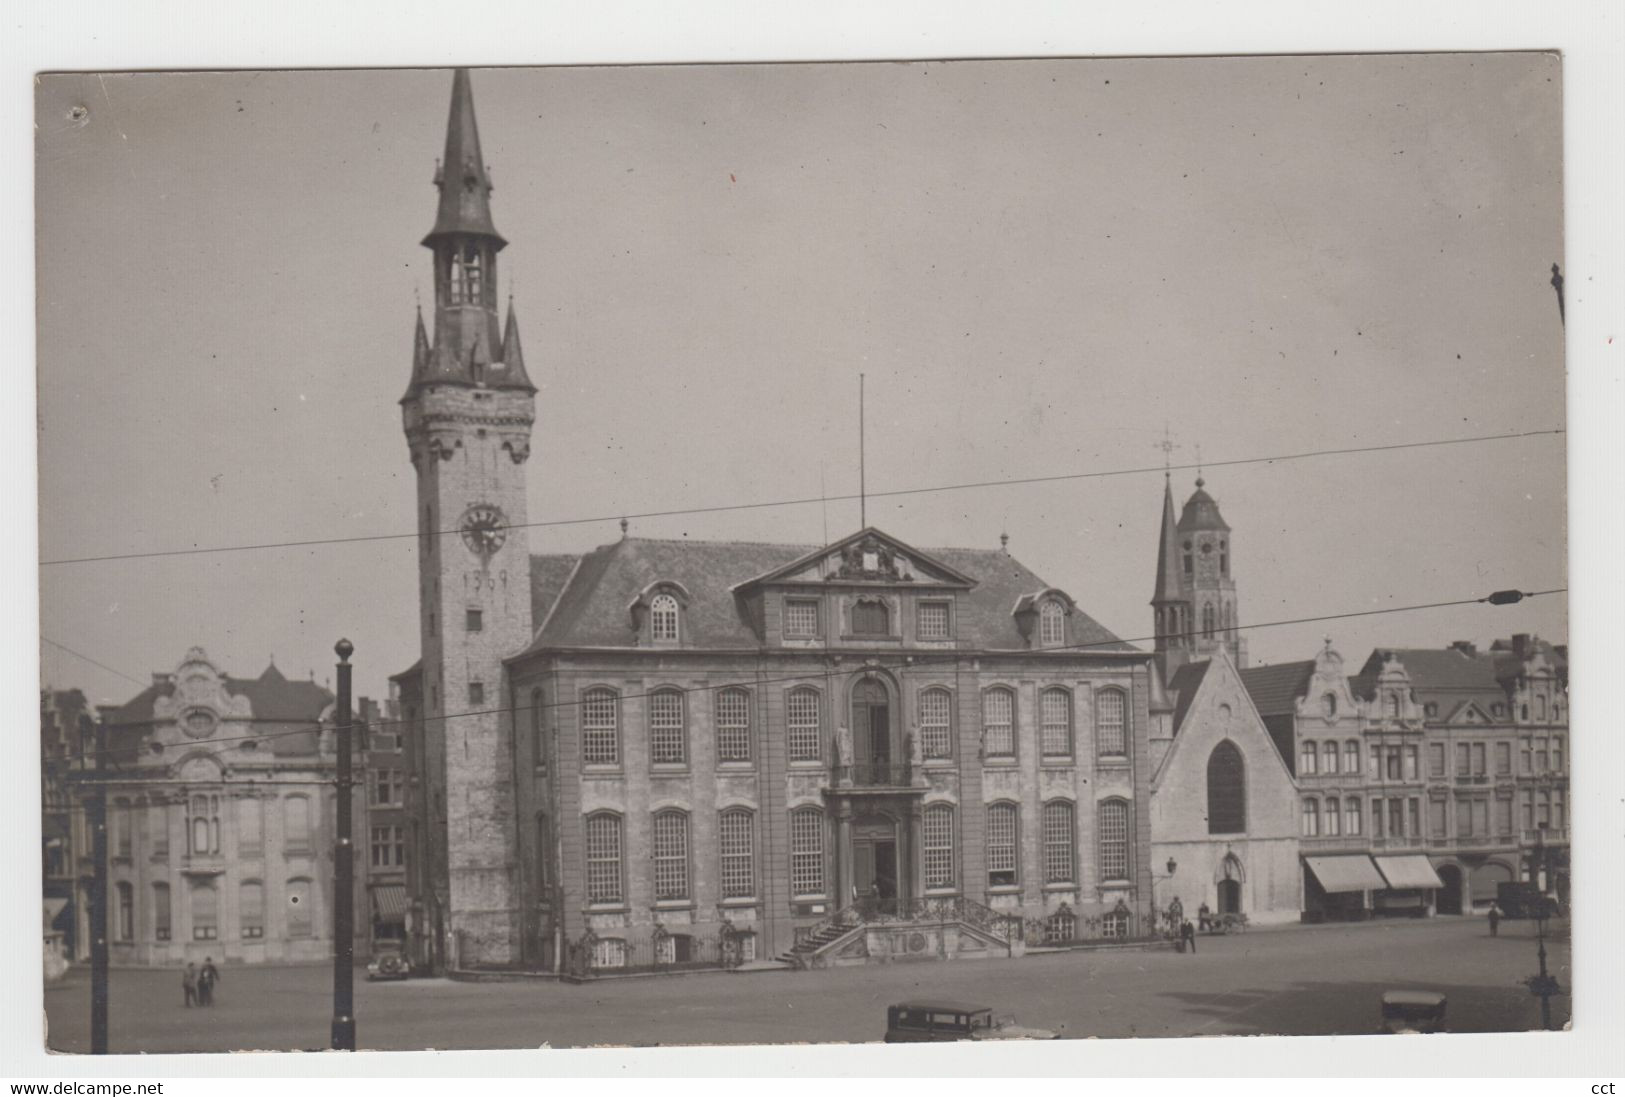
x=484, y=529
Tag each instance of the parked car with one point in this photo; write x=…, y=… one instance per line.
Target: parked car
x=388, y=962
x=928, y=1022
x=1413, y=1011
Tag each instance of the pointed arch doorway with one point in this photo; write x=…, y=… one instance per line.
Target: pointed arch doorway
x=1229, y=883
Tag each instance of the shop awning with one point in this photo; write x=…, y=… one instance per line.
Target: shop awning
x=389, y=902
x=1348, y=872
x=1410, y=871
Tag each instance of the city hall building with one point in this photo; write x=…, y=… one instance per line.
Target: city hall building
x=669, y=752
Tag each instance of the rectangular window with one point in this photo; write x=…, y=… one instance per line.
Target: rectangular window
x=1394, y=772
x=1528, y=809
x=1479, y=766
x=1001, y=845
x=1307, y=758
x=388, y=847
x=807, y=852
x=805, y=731
x=1376, y=818
x=1113, y=827
x=1503, y=817
x=296, y=824
x=600, y=729
x=126, y=913
x=251, y=911
x=159, y=815
x=871, y=618
x=386, y=788
x=738, y=837
x=1413, y=816
x=1557, y=755
x=931, y=622
x=801, y=619
x=671, y=855
x=938, y=835
x=1333, y=819
x=160, y=911
x=666, y=734
x=1328, y=757
x=1435, y=759
x=603, y=859
x=1544, y=809
x=1311, y=819
x=1410, y=763
x=1464, y=819
x=1058, y=843
x=205, y=913
x=936, y=723
x=733, y=726
x=1436, y=819
x=999, y=723
x=1351, y=816
x=1540, y=758
x=1351, y=757
x=475, y=621
x=476, y=693
x=1503, y=759
x=1055, y=709
x=1374, y=753
x=1464, y=760
x=1527, y=764
x=1481, y=817
x=1559, y=811
x=250, y=828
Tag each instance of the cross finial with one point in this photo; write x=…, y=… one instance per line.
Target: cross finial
x=1200, y=482
x=1004, y=542
x=625, y=525
x=1328, y=640
x=1167, y=446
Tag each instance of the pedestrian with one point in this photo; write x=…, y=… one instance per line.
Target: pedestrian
x=1204, y=916
x=1495, y=918
x=206, y=980
x=1176, y=912
x=1187, y=935
x=189, y=984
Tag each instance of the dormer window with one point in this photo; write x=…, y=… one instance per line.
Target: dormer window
x=663, y=618
x=871, y=618
x=1051, y=624
x=801, y=618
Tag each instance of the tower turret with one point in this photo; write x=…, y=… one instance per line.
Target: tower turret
x=1194, y=603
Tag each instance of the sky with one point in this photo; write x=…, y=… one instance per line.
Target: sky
x=1039, y=266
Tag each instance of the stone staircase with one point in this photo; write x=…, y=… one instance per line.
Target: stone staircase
x=823, y=935
x=916, y=930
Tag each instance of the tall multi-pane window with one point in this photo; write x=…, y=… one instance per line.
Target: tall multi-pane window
x=388, y=847
x=1001, y=845
x=871, y=617
x=159, y=814
x=1503, y=759
x=1311, y=818
x=937, y=831
x=800, y=618
x=667, y=737
x=160, y=912
x=1333, y=817
x=1328, y=756
x=999, y=723
x=1435, y=759
x=1479, y=766
x=604, y=858
x=737, y=835
x=663, y=617
x=124, y=928
x=671, y=855
x=1113, y=831
x=206, y=911
x=600, y=728
x=1207, y=622
x=1052, y=624
x=388, y=790
x=1464, y=760
x=1503, y=816
x=1351, y=815
x=1351, y=756
x=250, y=827
x=1308, y=757
x=1058, y=840
x=296, y=823
x=931, y=621
x=733, y=726
x=1226, y=790
x=806, y=852
x=1110, y=722
x=936, y=723
x=301, y=911
x=804, y=725
x=251, y=910
x=1055, y=733
x=1411, y=754
x=1396, y=818
x=1394, y=772
x=1374, y=763
x=1437, y=825
x=203, y=824
x=122, y=842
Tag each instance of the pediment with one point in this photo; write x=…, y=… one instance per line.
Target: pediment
x=1468, y=713
x=867, y=557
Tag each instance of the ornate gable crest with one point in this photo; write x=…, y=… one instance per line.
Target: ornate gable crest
x=870, y=558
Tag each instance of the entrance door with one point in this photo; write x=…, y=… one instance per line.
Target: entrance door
x=1450, y=894
x=871, y=728
x=1229, y=897
x=874, y=863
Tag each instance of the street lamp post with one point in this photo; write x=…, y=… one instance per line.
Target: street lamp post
x=343, y=1028
x=1543, y=985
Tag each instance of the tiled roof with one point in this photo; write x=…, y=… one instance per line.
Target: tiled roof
x=591, y=608
x=1187, y=680
x=1275, y=688
x=271, y=697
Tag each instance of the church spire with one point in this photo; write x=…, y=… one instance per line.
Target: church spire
x=1167, y=550
x=462, y=176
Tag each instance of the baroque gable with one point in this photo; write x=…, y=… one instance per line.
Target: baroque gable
x=867, y=557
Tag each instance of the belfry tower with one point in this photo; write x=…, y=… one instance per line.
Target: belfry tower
x=468, y=413
x=1194, y=603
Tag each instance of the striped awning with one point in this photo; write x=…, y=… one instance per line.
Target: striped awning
x=1346, y=872
x=1409, y=871
x=389, y=902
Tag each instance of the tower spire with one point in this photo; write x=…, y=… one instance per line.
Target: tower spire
x=463, y=177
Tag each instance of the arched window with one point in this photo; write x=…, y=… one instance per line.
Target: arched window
x=1308, y=757
x=1113, y=837
x=1111, y=723
x=251, y=910
x=538, y=740
x=999, y=723
x=1393, y=706
x=601, y=728
x=804, y=720
x=871, y=617
x=1226, y=790
x=1311, y=818
x=160, y=912
x=124, y=928
x=671, y=855
x=1055, y=734
x=1331, y=817
x=1002, y=847
x=1351, y=815
x=668, y=738
x=1058, y=842
x=205, y=911
x=733, y=726
x=1051, y=624
x=737, y=835
x=1207, y=622
x=604, y=858
x=1328, y=756
x=295, y=824
x=936, y=723
x=663, y=617
x=937, y=832
x=1351, y=756
x=806, y=852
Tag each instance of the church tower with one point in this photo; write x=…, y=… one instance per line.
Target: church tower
x=467, y=414
x=1194, y=602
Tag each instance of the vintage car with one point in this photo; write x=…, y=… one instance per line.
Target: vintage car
x=927, y=1022
x=388, y=962
x=1413, y=1011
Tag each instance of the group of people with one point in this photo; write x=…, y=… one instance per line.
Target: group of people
x=1182, y=925
x=198, y=983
